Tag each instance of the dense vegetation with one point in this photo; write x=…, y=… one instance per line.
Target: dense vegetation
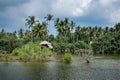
x=70, y=38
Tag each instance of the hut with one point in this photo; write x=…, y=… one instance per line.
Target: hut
x=46, y=44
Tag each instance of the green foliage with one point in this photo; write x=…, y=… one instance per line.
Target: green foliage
x=107, y=44
x=64, y=27
x=32, y=50
x=117, y=27
x=45, y=52
x=6, y=56
x=1, y=56
x=71, y=48
x=8, y=43
x=60, y=44
x=67, y=58
x=104, y=40
x=82, y=45
x=23, y=56
x=40, y=30
x=60, y=47
x=20, y=33
x=51, y=38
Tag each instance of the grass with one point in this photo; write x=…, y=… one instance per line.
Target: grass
x=32, y=52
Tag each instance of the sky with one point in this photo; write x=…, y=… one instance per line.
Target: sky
x=83, y=12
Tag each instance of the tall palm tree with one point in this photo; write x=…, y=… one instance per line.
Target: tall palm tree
x=72, y=24
x=40, y=30
x=49, y=17
x=58, y=25
x=20, y=33
x=2, y=32
x=64, y=27
x=117, y=27
x=14, y=34
x=30, y=21
x=77, y=33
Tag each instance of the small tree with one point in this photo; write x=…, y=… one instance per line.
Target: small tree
x=67, y=58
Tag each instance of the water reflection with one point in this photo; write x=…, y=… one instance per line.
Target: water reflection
x=97, y=70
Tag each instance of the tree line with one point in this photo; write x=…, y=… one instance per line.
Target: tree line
x=70, y=38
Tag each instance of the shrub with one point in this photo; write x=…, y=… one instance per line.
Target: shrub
x=45, y=52
x=82, y=45
x=6, y=56
x=31, y=51
x=15, y=52
x=0, y=55
x=23, y=56
x=67, y=58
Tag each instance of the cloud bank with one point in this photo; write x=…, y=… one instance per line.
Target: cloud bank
x=14, y=12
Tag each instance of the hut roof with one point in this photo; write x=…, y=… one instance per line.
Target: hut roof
x=44, y=43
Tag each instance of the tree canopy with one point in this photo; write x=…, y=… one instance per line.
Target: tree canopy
x=70, y=37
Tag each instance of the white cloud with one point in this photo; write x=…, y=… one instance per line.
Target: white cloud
x=108, y=10
x=115, y=16
x=63, y=8
x=34, y=7
x=107, y=2
x=40, y=8
x=77, y=12
x=71, y=8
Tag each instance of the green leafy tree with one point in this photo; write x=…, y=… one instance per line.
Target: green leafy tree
x=20, y=33
x=117, y=27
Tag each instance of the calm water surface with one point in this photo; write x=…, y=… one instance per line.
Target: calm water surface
x=77, y=70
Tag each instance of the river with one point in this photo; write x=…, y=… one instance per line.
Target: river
x=98, y=69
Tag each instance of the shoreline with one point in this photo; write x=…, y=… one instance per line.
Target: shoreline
x=58, y=58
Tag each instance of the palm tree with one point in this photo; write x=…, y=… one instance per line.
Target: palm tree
x=40, y=30
x=2, y=32
x=64, y=27
x=14, y=34
x=77, y=33
x=106, y=29
x=117, y=27
x=31, y=23
x=27, y=36
x=49, y=17
x=20, y=33
x=58, y=25
x=72, y=24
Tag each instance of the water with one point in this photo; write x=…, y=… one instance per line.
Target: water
x=77, y=70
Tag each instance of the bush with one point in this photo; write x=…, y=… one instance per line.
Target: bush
x=23, y=55
x=32, y=51
x=45, y=52
x=67, y=58
x=82, y=45
x=6, y=56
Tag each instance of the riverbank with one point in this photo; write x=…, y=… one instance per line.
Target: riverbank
x=113, y=56
x=56, y=58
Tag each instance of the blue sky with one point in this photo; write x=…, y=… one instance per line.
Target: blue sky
x=84, y=12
